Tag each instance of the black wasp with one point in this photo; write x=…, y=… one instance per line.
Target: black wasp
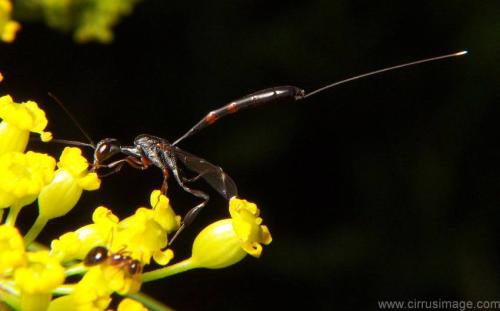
x=150, y=150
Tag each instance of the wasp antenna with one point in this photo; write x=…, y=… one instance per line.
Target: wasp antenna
x=371, y=73
x=72, y=143
x=75, y=121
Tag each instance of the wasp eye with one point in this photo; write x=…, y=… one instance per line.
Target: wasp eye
x=106, y=148
x=103, y=149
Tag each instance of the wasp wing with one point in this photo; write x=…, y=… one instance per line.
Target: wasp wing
x=213, y=174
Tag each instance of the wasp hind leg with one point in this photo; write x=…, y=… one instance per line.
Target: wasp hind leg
x=193, y=212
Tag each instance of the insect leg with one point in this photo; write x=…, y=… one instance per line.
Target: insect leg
x=193, y=212
x=188, y=219
x=117, y=165
x=164, y=185
x=195, y=178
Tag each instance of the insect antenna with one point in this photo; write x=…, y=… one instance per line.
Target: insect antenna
x=78, y=125
x=71, y=142
x=371, y=73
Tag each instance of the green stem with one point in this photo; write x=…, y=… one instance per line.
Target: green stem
x=75, y=269
x=149, y=302
x=35, y=247
x=179, y=267
x=64, y=290
x=9, y=295
x=35, y=230
x=12, y=215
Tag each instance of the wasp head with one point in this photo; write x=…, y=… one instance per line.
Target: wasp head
x=104, y=150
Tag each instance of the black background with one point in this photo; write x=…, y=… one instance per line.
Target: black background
x=385, y=188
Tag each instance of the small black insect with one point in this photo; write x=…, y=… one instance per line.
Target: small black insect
x=101, y=254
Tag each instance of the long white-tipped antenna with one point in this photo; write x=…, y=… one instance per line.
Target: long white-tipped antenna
x=371, y=73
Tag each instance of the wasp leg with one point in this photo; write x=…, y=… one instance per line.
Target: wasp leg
x=195, y=178
x=192, y=213
x=188, y=219
x=118, y=165
x=164, y=185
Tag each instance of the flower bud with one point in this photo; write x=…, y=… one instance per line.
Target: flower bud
x=61, y=195
x=227, y=241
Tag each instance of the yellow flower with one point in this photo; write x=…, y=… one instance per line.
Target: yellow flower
x=61, y=195
x=9, y=31
x=217, y=246
x=145, y=232
x=42, y=274
x=38, y=279
x=223, y=243
x=128, y=304
x=72, y=177
x=118, y=278
x=163, y=213
x=227, y=241
x=76, y=245
x=18, y=121
x=8, y=27
x=96, y=22
x=22, y=176
x=248, y=226
x=12, y=253
x=67, y=247
x=141, y=237
x=90, y=294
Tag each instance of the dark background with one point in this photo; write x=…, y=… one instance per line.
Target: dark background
x=385, y=188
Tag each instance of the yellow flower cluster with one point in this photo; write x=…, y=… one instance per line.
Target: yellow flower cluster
x=88, y=20
x=19, y=119
x=110, y=254
x=28, y=278
x=8, y=27
x=31, y=276
x=224, y=242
